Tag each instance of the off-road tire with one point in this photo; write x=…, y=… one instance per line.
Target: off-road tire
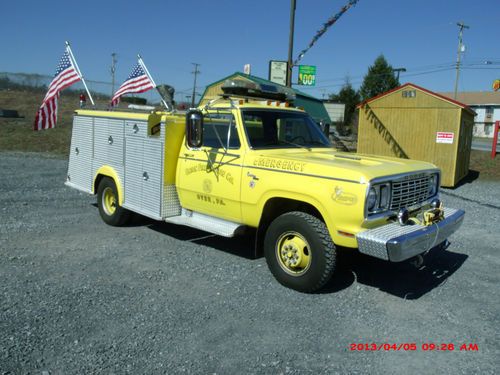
x=120, y=216
x=321, y=249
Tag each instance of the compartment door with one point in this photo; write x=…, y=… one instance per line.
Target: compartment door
x=80, y=155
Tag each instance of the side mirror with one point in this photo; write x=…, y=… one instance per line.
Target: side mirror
x=194, y=128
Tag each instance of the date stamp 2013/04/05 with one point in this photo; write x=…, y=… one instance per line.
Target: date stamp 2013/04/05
x=413, y=346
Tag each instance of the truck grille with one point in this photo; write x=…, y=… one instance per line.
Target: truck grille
x=409, y=192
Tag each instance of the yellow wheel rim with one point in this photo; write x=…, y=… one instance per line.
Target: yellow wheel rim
x=109, y=201
x=293, y=253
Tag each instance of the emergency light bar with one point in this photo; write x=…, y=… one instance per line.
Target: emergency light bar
x=239, y=87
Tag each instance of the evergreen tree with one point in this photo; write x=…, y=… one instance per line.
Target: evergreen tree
x=379, y=79
x=350, y=97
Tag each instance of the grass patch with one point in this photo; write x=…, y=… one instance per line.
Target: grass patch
x=488, y=168
x=18, y=135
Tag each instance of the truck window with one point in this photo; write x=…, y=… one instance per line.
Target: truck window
x=215, y=132
x=282, y=129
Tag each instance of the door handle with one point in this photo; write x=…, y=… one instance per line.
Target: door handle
x=189, y=155
x=254, y=177
x=145, y=176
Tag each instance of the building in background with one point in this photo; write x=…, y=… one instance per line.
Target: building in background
x=411, y=122
x=336, y=111
x=313, y=106
x=486, y=105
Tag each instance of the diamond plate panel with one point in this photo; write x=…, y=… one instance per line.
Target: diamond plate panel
x=204, y=222
x=171, y=205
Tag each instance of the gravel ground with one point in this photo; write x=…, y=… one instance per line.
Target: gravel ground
x=80, y=297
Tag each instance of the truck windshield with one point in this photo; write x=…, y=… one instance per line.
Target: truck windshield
x=282, y=129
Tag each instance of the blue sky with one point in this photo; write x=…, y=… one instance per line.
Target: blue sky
x=223, y=35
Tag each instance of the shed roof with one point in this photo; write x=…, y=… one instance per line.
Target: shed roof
x=313, y=106
x=476, y=97
x=429, y=92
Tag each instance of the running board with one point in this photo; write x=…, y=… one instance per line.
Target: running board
x=205, y=222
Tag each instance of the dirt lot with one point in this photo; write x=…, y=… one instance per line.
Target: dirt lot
x=80, y=297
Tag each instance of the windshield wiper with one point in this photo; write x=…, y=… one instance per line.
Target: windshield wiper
x=293, y=144
x=318, y=143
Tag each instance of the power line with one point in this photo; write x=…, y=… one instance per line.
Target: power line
x=381, y=75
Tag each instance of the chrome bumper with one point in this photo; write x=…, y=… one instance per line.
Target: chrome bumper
x=396, y=243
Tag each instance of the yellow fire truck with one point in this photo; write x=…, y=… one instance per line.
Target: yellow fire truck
x=249, y=159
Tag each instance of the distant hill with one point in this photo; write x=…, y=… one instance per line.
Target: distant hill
x=17, y=134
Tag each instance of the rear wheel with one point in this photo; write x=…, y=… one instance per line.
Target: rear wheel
x=107, y=201
x=299, y=251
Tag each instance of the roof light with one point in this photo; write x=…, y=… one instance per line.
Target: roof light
x=239, y=87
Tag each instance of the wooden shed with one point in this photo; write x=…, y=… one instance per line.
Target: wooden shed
x=414, y=123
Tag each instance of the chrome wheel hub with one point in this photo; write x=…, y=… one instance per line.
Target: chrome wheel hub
x=293, y=253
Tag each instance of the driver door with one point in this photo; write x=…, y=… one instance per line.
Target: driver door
x=209, y=178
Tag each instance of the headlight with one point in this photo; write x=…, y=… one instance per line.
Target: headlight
x=378, y=198
x=433, y=185
x=385, y=197
x=371, y=200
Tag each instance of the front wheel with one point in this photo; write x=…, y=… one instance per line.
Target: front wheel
x=107, y=201
x=299, y=251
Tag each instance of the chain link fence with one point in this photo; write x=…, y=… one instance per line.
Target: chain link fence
x=99, y=89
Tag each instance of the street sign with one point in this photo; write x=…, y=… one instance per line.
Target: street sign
x=307, y=75
x=277, y=72
x=496, y=84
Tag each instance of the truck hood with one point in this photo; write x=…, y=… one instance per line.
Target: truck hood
x=342, y=165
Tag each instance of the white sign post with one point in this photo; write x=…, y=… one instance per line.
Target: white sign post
x=277, y=72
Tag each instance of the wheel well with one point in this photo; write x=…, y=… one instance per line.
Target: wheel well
x=97, y=181
x=275, y=207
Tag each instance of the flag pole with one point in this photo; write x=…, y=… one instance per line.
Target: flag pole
x=79, y=72
x=141, y=62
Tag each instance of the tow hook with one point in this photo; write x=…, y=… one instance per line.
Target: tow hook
x=417, y=261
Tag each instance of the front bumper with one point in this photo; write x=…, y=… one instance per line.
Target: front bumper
x=396, y=243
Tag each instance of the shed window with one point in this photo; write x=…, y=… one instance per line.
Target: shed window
x=409, y=93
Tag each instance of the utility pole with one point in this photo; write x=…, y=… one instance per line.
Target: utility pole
x=290, y=45
x=196, y=72
x=113, y=70
x=461, y=26
x=398, y=70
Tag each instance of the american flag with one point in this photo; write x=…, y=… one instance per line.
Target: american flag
x=65, y=76
x=138, y=81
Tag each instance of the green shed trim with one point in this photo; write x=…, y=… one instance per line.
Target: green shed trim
x=313, y=106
